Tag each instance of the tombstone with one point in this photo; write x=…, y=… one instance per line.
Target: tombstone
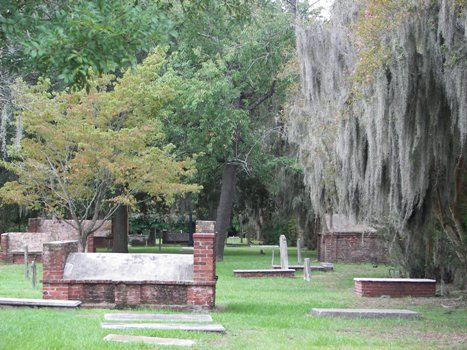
x=34, y=273
x=307, y=270
x=26, y=263
x=283, y=251
x=299, y=250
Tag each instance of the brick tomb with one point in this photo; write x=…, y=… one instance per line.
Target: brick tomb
x=395, y=287
x=120, y=280
x=41, y=231
x=347, y=242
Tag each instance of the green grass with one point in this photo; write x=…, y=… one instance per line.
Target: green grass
x=257, y=313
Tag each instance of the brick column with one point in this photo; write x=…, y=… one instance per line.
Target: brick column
x=5, y=246
x=204, y=254
x=54, y=257
x=202, y=294
x=34, y=224
x=90, y=246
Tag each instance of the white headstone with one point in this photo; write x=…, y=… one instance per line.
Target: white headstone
x=307, y=270
x=283, y=251
x=299, y=250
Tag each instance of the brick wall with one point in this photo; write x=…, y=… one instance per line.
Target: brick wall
x=196, y=294
x=396, y=289
x=352, y=247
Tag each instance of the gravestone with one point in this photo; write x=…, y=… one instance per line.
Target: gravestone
x=307, y=270
x=283, y=252
x=299, y=250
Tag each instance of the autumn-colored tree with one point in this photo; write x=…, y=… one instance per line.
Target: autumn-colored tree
x=83, y=154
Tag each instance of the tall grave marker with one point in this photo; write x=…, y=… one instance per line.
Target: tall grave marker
x=283, y=251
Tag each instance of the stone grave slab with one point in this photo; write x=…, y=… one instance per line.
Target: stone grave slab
x=148, y=340
x=194, y=327
x=312, y=267
x=19, y=302
x=366, y=313
x=129, y=267
x=158, y=317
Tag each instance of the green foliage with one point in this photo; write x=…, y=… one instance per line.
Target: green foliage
x=70, y=39
x=85, y=153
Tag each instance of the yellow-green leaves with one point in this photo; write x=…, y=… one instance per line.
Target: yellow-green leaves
x=87, y=151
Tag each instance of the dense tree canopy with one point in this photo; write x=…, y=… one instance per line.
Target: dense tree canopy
x=83, y=154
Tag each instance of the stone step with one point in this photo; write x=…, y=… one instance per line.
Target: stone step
x=158, y=317
x=148, y=340
x=366, y=313
x=166, y=326
x=19, y=302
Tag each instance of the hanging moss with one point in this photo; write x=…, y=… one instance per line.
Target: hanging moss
x=381, y=124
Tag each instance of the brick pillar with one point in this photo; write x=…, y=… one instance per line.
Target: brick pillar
x=5, y=246
x=203, y=294
x=34, y=224
x=90, y=245
x=54, y=258
x=204, y=265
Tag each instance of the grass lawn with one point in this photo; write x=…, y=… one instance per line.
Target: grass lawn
x=257, y=313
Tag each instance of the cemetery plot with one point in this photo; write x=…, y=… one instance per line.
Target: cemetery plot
x=193, y=327
x=366, y=313
x=159, y=317
x=148, y=340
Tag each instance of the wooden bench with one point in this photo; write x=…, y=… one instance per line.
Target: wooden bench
x=395, y=287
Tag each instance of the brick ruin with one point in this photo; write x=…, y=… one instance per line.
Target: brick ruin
x=41, y=231
x=196, y=292
x=395, y=287
x=351, y=243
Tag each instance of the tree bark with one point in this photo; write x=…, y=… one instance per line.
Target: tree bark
x=120, y=230
x=224, y=209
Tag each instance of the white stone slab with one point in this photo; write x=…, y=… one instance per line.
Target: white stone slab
x=366, y=313
x=129, y=267
x=148, y=340
x=166, y=326
x=266, y=270
x=158, y=317
x=39, y=302
x=411, y=280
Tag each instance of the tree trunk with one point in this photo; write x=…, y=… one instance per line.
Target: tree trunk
x=152, y=237
x=120, y=230
x=224, y=210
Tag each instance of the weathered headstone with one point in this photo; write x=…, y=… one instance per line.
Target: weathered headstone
x=299, y=250
x=34, y=274
x=307, y=270
x=26, y=263
x=283, y=252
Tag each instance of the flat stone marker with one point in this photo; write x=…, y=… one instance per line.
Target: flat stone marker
x=194, y=327
x=159, y=317
x=17, y=302
x=366, y=313
x=129, y=267
x=148, y=340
